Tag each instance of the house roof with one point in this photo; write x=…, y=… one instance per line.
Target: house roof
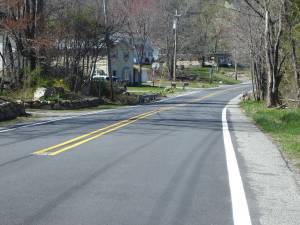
x=123, y=40
x=120, y=38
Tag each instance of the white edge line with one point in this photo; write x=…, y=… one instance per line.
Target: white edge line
x=87, y=114
x=60, y=119
x=240, y=210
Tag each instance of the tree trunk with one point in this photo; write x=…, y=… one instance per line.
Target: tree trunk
x=169, y=58
x=292, y=42
x=295, y=65
x=272, y=37
x=270, y=99
x=257, y=81
x=110, y=72
x=140, y=73
x=253, y=79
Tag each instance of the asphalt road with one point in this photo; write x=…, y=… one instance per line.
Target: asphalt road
x=157, y=164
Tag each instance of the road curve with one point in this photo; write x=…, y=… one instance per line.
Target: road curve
x=156, y=164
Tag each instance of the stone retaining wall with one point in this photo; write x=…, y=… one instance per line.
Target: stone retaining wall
x=65, y=104
x=147, y=98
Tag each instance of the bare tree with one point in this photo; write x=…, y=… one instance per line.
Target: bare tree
x=291, y=15
x=271, y=12
x=139, y=27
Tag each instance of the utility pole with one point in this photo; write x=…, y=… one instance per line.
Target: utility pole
x=176, y=18
x=235, y=64
x=3, y=62
x=107, y=43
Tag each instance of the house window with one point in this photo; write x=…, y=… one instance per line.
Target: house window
x=126, y=56
x=114, y=54
x=126, y=74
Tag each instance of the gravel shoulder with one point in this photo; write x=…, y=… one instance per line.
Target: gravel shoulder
x=273, y=189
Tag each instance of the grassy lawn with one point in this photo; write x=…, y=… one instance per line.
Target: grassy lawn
x=192, y=84
x=148, y=89
x=198, y=77
x=282, y=124
x=202, y=74
x=202, y=85
x=145, y=89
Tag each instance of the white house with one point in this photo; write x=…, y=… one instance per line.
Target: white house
x=150, y=54
x=122, y=57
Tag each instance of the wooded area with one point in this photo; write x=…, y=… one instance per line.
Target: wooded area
x=270, y=31
x=46, y=42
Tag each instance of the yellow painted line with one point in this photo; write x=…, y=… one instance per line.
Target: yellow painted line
x=40, y=152
x=108, y=129
x=213, y=94
x=101, y=134
x=72, y=143
x=205, y=97
x=202, y=98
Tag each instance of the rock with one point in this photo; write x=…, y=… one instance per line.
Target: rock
x=44, y=93
x=65, y=104
x=246, y=96
x=36, y=104
x=39, y=93
x=50, y=92
x=48, y=106
x=57, y=106
x=147, y=98
x=11, y=110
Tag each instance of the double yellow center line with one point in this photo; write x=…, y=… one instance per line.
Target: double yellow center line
x=72, y=143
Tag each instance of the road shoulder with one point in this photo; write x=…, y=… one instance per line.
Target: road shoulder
x=270, y=185
x=41, y=117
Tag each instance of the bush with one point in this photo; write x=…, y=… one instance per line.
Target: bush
x=100, y=88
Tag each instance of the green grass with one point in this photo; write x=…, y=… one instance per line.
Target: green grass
x=202, y=85
x=202, y=74
x=282, y=124
x=145, y=89
x=163, y=87
x=192, y=84
x=225, y=79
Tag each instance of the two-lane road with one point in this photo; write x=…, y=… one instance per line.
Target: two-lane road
x=157, y=164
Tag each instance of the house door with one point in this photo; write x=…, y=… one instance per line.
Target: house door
x=126, y=75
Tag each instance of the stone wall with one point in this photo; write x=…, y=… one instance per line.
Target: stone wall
x=65, y=104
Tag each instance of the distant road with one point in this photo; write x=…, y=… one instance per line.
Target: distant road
x=157, y=164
